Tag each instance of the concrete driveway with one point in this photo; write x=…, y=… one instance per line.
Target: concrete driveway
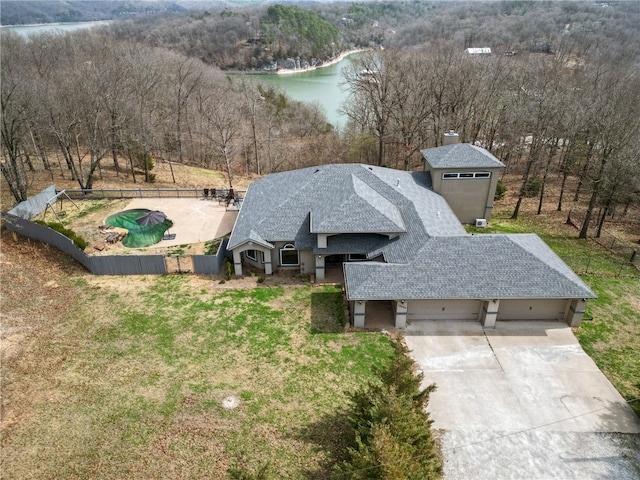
x=523, y=401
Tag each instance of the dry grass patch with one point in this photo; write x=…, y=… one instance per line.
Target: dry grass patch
x=185, y=177
x=127, y=378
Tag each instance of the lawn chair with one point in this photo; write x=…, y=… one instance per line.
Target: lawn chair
x=206, y=193
x=230, y=197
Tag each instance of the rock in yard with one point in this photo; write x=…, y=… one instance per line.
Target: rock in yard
x=231, y=402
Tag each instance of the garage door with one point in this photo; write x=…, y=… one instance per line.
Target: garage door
x=443, y=310
x=532, y=309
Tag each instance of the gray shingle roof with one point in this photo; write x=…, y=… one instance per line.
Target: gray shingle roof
x=433, y=258
x=256, y=238
x=354, y=243
x=359, y=209
x=470, y=267
x=282, y=206
x=460, y=155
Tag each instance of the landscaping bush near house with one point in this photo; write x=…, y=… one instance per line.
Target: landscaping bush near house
x=228, y=269
x=79, y=242
x=501, y=190
x=392, y=431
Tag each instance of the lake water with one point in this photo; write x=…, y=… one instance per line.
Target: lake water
x=26, y=30
x=321, y=85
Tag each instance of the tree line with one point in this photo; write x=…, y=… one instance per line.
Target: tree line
x=297, y=31
x=105, y=99
x=18, y=12
x=246, y=38
x=540, y=114
x=80, y=102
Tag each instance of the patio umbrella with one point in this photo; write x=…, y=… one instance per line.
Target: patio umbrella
x=151, y=218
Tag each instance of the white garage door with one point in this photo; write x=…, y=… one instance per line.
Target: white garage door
x=443, y=310
x=532, y=309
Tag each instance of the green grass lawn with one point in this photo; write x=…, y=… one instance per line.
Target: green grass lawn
x=142, y=373
x=612, y=337
x=124, y=377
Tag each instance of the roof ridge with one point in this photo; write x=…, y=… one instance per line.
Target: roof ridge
x=361, y=188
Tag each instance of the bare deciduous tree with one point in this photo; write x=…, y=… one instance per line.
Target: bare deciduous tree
x=370, y=105
x=222, y=115
x=614, y=125
x=16, y=111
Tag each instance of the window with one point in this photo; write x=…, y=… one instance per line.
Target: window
x=465, y=175
x=357, y=257
x=289, y=256
x=251, y=255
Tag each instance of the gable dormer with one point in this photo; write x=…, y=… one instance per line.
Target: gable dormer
x=357, y=209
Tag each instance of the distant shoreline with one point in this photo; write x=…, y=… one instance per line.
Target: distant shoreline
x=333, y=61
x=53, y=24
x=287, y=71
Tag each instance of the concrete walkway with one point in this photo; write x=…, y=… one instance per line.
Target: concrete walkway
x=523, y=401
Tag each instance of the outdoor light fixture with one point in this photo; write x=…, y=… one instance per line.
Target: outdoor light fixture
x=360, y=302
x=402, y=302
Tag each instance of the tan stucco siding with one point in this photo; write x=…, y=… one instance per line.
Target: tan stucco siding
x=256, y=264
x=443, y=310
x=260, y=256
x=532, y=309
x=470, y=198
x=436, y=179
x=307, y=261
x=264, y=258
x=467, y=198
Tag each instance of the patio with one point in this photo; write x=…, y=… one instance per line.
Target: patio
x=194, y=220
x=379, y=313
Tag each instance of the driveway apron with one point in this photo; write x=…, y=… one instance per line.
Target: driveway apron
x=523, y=401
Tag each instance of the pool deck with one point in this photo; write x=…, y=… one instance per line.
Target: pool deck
x=194, y=220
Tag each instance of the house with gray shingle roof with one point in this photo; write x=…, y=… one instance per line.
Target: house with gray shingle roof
x=399, y=242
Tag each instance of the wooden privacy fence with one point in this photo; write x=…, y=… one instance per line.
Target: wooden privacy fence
x=118, y=264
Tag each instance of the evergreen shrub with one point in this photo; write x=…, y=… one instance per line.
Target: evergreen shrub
x=392, y=431
x=501, y=190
